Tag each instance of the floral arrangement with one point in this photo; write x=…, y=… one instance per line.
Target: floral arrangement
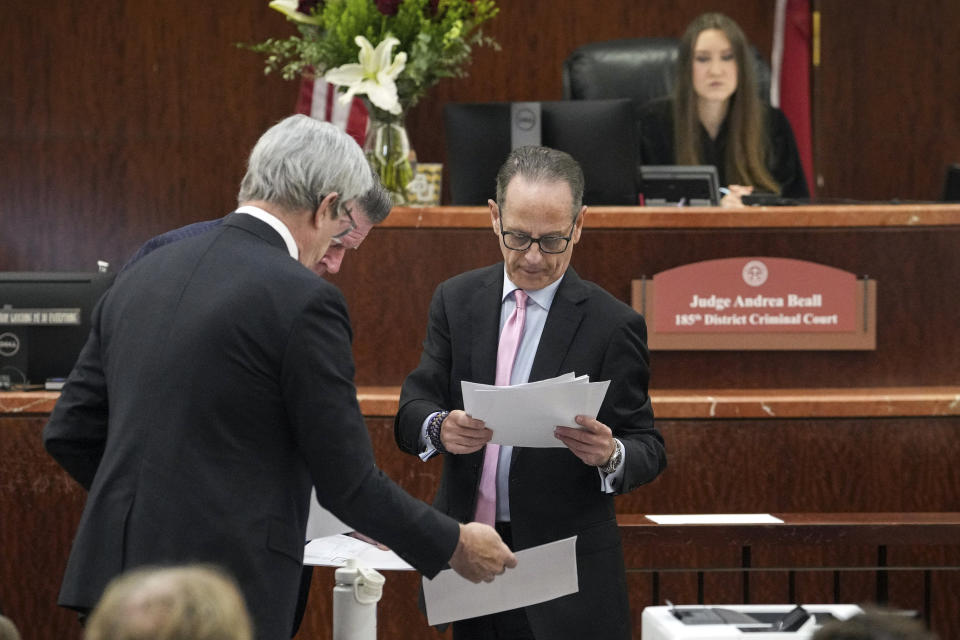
x=352, y=42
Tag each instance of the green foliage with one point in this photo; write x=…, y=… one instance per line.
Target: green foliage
x=439, y=42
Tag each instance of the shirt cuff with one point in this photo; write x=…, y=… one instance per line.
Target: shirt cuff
x=426, y=447
x=611, y=482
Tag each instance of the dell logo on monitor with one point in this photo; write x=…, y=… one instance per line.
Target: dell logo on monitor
x=9, y=344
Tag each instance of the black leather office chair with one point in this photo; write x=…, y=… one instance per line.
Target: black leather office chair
x=638, y=68
x=951, y=184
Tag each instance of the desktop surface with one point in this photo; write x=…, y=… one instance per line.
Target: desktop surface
x=758, y=622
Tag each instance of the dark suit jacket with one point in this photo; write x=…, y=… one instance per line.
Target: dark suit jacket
x=553, y=494
x=216, y=387
x=165, y=238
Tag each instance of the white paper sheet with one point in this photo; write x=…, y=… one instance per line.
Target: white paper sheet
x=469, y=388
x=334, y=551
x=321, y=523
x=717, y=518
x=524, y=415
x=542, y=573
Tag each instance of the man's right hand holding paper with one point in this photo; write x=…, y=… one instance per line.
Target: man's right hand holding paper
x=480, y=555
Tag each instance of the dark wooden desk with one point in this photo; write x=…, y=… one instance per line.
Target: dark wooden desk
x=904, y=560
x=879, y=529
x=912, y=251
x=798, y=432
x=865, y=480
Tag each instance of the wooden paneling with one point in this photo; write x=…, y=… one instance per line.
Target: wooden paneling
x=734, y=466
x=885, y=98
x=40, y=508
x=120, y=123
x=716, y=465
x=389, y=283
x=906, y=561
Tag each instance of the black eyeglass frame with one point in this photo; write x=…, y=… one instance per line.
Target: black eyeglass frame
x=531, y=239
x=341, y=205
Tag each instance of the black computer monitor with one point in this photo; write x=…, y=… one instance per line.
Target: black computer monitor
x=44, y=322
x=685, y=185
x=599, y=134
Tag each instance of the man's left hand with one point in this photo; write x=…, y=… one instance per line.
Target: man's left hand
x=593, y=444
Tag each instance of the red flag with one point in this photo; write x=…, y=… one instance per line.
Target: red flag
x=790, y=81
x=319, y=99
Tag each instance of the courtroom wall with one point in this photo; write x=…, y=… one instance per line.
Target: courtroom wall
x=119, y=122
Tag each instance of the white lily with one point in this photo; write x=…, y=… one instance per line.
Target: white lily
x=290, y=8
x=375, y=75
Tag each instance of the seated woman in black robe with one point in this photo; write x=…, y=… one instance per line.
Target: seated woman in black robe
x=716, y=117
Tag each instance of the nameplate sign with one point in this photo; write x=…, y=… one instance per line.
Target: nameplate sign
x=757, y=303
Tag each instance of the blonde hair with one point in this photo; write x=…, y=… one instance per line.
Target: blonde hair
x=197, y=602
x=8, y=630
x=747, y=149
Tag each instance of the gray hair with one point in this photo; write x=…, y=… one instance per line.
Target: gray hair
x=376, y=202
x=541, y=164
x=299, y=160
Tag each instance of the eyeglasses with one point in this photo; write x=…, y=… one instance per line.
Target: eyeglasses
x=548, y=244
x=343, y=210
x=351, y=224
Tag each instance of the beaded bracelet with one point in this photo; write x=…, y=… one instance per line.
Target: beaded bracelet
x=433, y=431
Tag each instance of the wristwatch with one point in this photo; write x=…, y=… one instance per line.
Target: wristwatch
x=611, y=465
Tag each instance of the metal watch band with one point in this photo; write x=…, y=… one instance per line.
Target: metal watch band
x=611, y=465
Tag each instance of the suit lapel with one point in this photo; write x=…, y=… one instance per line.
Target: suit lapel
x=561, y=326
x=485, y=318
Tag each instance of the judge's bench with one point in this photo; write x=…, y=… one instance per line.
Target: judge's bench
x=856, y=451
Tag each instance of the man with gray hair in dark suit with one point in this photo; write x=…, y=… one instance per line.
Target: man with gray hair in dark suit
x=217, y=387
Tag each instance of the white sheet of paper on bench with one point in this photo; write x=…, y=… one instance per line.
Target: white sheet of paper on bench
x=334, y=551
x=525, y=415
x=542, y=573
x=716, y=518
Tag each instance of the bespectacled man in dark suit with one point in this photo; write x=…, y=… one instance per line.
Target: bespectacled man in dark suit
x=368, y=210
x=217, y=387
x=571, y=325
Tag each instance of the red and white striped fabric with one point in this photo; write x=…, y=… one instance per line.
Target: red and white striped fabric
x=319, y=99
x=790, y=75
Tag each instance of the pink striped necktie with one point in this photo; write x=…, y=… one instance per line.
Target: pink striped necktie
x=509, y=341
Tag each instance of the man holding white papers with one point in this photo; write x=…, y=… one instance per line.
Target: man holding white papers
x=533, y=318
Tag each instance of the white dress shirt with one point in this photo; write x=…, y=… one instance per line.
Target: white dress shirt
x=277, y=225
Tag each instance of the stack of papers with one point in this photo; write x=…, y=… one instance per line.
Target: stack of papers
x=524, y=415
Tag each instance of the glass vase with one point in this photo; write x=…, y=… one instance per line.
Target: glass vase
x=388, y=151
